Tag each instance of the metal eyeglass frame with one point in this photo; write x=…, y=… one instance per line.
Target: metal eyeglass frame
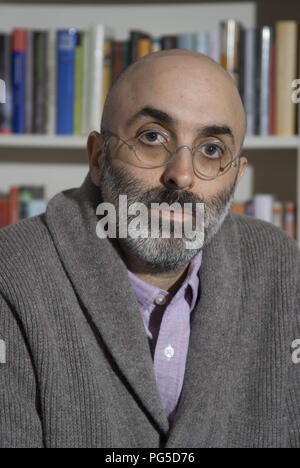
x=173, y=154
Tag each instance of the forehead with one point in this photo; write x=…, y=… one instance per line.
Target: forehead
x=192, y=91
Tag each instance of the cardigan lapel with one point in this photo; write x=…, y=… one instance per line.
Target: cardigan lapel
x=204, y=406
x=100, y=279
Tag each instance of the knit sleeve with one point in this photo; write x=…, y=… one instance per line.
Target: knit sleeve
x=294, y=374
x=20, y=425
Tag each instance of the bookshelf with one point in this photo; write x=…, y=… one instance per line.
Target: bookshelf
x=27, y=158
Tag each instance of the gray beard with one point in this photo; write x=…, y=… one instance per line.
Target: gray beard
x=161, y=254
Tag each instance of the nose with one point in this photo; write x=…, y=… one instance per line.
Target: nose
x=179, y=173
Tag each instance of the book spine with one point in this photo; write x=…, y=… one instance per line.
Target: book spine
x=116, y=59
x=66, y=42
x=144, y=47
x=78, y=84
x=290, y=219
x=286, y=72
x=214, y=50
x=40, y=81
x=4, y=212
x=265, y=73
x=5, y=74
x=249, y=79
x=96, y=84
x=278, y=214
x=272, y=130
x=263, y=207
x=230, y=32
x=29, y=82
x=86, y=79
x=51, y=83
x=14, y=207
x=19, y=79
x=125, y=54
x=156, y=44
x=186, y=41
x=107, y=69
x=201, y=43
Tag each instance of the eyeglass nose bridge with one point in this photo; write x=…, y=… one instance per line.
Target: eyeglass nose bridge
x=180, y=148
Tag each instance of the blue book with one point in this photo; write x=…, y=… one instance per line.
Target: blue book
x=19, y=79
x=66, y=47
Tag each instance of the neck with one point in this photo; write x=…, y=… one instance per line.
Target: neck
x=167, y=280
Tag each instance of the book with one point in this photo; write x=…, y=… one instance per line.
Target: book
x=264, y=72
x=98, y=36
x=186, y=41
x=66, y=44
x=4, y=211
x=290, y=219
x=144, y=47
x=156, y=44
x=19, y=79
x=5, y=76
x=168, y=42
x=248, y=79
x=117, y=65
x=286, y=72
x=201, y=42
x=14, y=206
x=29, y=92
x=51, y=83
x=278, y=214
x=78, y=83
x=230, y=34
x=263, y=207
x=107, y=67
x=135, y=36
x=39, y=81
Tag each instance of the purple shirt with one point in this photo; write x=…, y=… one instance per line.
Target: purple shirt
x=167, y=323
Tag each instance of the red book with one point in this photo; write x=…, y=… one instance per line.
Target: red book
x=116, y=59
x=14, y=206
x=273, y=91
x=4, y=212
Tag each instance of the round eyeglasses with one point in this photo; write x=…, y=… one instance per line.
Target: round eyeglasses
x=152, y=148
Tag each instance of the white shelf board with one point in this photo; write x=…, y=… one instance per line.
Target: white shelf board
x=42, y=141
x=72, y=142
x=272, y=142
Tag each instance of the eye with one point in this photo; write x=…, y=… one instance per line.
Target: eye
x=212, y=150
x=152, y=138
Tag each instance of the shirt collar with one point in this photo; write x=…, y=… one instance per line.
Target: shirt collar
x=146, y=293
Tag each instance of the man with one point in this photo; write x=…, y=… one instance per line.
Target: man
x=140, y=341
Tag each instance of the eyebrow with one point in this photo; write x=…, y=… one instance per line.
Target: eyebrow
x=165, y=118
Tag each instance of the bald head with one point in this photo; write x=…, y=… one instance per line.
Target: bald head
x=183, y=75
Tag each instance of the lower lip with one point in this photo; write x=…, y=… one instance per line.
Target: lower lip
x=173, y=215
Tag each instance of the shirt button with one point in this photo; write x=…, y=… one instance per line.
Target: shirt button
x=169, y=352
x=160, y=300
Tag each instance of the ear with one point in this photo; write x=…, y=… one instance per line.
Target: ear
x=243, y=165
x=95, y=146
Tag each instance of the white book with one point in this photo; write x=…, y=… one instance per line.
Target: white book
x=263, y=207
x=2, y=92
x=214, y=46
x=264, y=85
x=202, y=42
x=51, y=83
x=96, y=76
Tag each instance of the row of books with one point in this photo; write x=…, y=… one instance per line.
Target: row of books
x=57, y=81
x=21, y=202
x=267, y=208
